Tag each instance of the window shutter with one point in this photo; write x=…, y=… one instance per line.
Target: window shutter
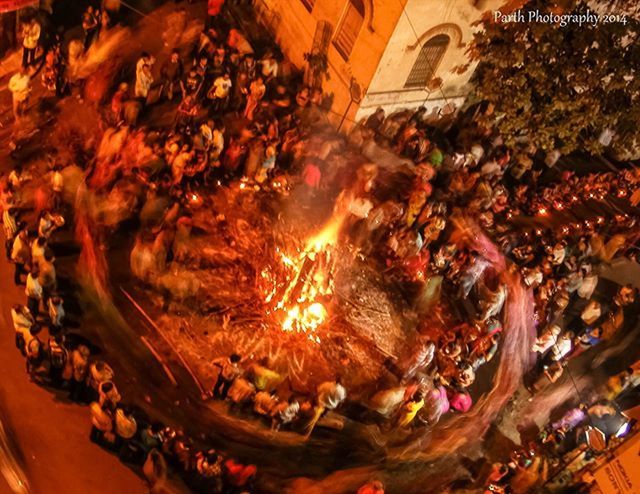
x=425, y=66
x=349, y=28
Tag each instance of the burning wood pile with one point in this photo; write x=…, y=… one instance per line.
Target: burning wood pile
x=299, y=291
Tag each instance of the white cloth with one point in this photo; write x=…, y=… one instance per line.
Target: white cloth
x=545, y=341
x=588, y=286
x=561, y=349
x=331, y=394
x=22, y=321
x=591, y=312
x=19, y=85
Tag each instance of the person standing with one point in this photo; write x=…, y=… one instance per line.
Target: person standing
x=34, y=354
x=56, y=314
x=33, y=290
x=409, y=410
x=79, y=368
x=10, y=227
x=256, y=93
x=47, y=277
x=90, y=25
x=219, y=93
x=38, y=247
x=20, y=87
x=23, y=322
x=57, y=186
x=20, y=255
x=30, y=40
x=57, y=359
x=46, y=224
x=102, y=424
x=330, y=396
x=126, y=428
x=144, y=78
x=230, y=370
x=172, y=72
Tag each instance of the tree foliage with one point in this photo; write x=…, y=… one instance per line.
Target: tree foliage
x=561, y=86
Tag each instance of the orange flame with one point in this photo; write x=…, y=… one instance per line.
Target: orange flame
x=309, y=281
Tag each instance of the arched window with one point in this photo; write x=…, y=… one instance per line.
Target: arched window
x=349, y=28
x=427, y=62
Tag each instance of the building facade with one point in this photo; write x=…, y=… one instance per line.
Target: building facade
x=393, y=54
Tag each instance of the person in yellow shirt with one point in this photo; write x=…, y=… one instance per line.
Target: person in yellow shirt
x=410, y=409
x=263, y=378
x=30, y=40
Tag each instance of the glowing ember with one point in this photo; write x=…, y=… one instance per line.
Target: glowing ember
x=307, y=283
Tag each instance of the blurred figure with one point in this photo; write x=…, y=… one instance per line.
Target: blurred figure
x=374, y=487
x=90, y=25
x=20, y=87
x=30, y=40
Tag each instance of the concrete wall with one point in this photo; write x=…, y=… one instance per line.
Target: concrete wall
x=294, y=27
x=424, y=20
x=385, y=49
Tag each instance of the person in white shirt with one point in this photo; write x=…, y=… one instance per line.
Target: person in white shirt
x=20, y=255
x=46, y=225
x=33, y=291
x=588, y=285
x=30, y=39
x=23, y=321
x=219, y=92
x=20, y=87
x=563, y=347
x=144, y=78
x=331, y=394
x=10, y=227
x=591, y=312
x=547, y=339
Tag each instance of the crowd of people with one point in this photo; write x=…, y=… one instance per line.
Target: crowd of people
x=459, y=169
x=566, y=450
x=64, y=360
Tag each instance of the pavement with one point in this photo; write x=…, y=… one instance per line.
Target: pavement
x=52, y=433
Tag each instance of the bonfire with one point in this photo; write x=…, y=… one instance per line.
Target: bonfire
x=297, y=292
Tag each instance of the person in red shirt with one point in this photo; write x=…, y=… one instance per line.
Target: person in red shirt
x=239, y=475
x=311, y=175
x=374, y=487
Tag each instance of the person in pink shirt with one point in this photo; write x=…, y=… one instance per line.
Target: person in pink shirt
x=459, y=400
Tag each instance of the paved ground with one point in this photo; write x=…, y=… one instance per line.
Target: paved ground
x=52, y=433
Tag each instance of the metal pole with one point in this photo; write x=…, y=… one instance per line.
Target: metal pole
x=344, y=116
